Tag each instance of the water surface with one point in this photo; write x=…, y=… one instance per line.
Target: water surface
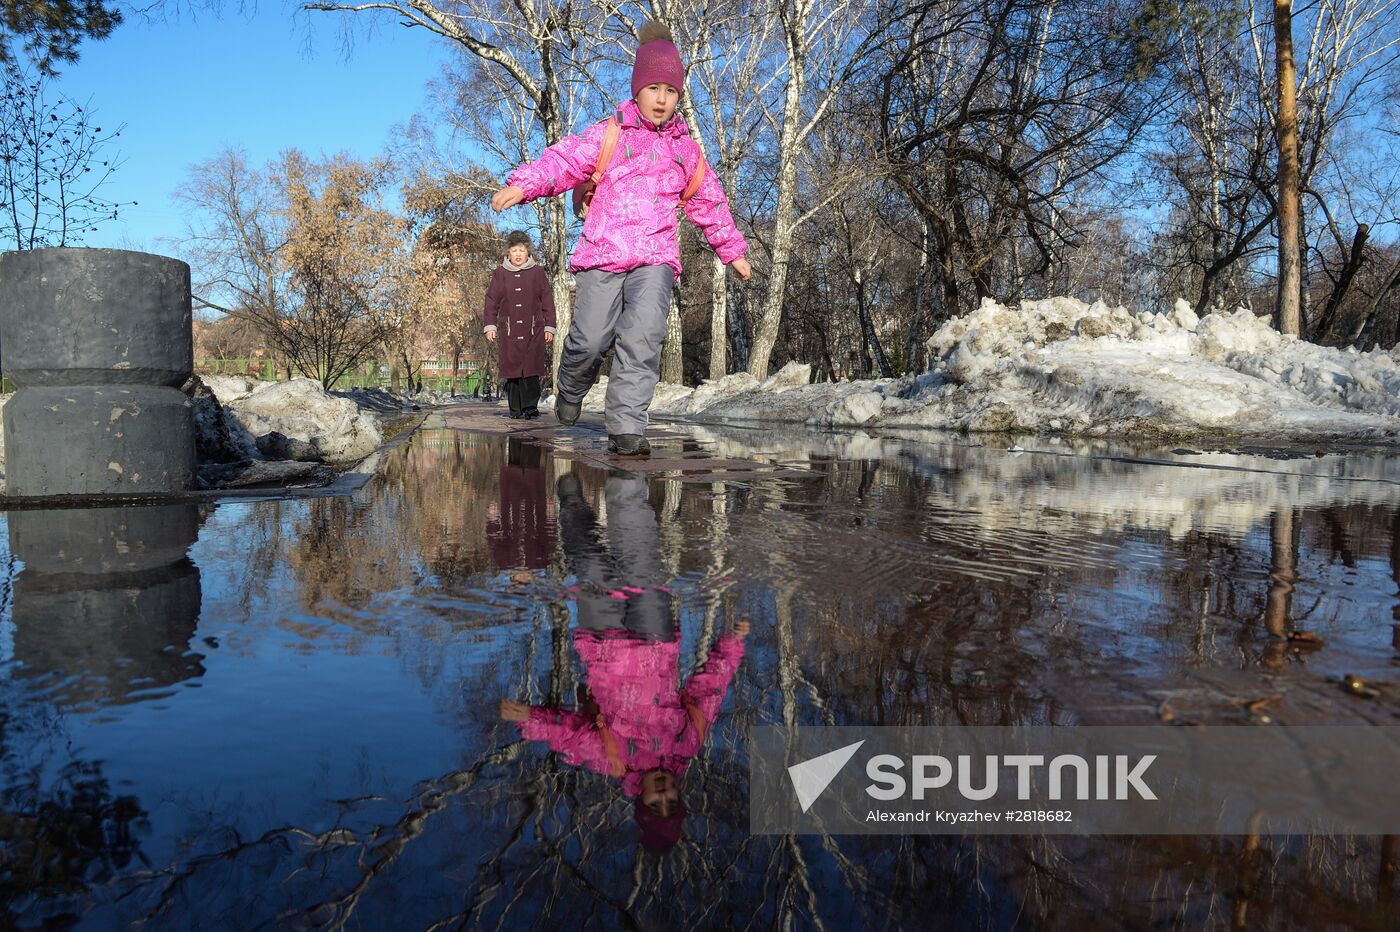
x=288, y=713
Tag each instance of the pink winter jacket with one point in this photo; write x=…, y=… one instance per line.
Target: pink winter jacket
x=634, y=684
x=632, y=219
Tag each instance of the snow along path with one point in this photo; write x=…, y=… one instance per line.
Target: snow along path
x=1061, y=366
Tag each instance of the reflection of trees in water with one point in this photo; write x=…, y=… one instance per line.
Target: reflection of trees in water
x=515, y=839
x=424, y=516
x=992, y=651
x=855, y=620
x=989, y=637
x=62, y=837
x=1020, y=640
x=247, y=554
x=1137, y=608
x=862, y=623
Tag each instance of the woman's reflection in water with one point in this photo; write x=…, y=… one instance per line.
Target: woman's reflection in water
x=633, y=721
x=520, y=530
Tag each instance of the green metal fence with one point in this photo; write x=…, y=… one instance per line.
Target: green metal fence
x=367, y=375
x=462, y=384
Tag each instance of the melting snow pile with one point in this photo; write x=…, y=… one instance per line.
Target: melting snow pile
x=1092, y=369
x=1063, y=366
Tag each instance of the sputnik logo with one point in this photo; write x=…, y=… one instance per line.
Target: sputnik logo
x=811, y=777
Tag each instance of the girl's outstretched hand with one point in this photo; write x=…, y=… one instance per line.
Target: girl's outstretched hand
x=508, y=196
x=741, y=268
x=513, y=711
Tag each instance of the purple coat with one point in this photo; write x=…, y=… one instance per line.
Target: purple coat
x=520, y=308
x=632, y=219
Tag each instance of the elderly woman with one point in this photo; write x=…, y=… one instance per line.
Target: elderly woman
x=520, y=318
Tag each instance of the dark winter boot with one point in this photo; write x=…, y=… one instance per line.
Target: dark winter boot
x=567, y=411
x=628, y=445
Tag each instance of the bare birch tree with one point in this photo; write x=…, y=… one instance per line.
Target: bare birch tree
x=727, y=44
x=1286, y=312
x=823, y=44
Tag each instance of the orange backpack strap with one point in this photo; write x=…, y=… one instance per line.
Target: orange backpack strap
x=610, y=137
x=697, y=718
x=695, y=180
x=610, y=748
x=583, y=194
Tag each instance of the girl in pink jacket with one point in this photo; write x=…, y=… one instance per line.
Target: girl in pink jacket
x=634, y=723
x=628, y=256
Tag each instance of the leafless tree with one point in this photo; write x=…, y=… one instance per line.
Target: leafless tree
x=305, y=251
x=1220, y=150
x=824, y=44
x=1290, y=279
x=235, y=236
x=1214, y=154
x=523, y=83
x=54, y=158
x=993, y=117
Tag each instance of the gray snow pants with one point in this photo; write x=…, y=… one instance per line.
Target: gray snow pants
x=627, y=553
x=625, y=311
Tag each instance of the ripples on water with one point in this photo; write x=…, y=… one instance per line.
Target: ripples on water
x=286, y=713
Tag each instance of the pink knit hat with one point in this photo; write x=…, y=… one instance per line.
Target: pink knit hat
x=659, y=832
x=658, y=60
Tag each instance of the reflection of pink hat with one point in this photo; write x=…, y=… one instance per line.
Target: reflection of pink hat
x=658, y=60
x=660, y=832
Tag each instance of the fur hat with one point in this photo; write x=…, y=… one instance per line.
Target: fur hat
x=517, y=238
x=658, y=60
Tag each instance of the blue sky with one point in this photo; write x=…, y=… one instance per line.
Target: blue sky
x=267, y=80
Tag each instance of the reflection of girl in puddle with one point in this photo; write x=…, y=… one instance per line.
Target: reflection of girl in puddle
x=634, y=722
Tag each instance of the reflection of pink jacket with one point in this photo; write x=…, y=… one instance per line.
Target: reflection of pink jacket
x=632, y=220
x=649, y=722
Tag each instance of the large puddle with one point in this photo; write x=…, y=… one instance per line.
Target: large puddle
x=289, y=713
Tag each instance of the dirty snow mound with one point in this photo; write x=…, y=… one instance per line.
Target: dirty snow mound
x=1101, y=370
x=311, y=423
